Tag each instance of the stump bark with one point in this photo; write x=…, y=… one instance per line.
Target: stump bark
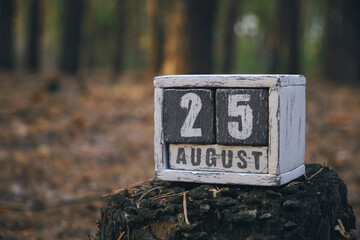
x=307, y=208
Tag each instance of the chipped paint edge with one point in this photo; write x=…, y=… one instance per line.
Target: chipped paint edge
x=159, y=145
x=291, y=127
x=273, y=150
x=230, y=178
x=229, y=80
x=287, y=177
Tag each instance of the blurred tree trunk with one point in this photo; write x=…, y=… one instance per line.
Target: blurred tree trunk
x=134, y=10
x=157, y=35
x=189, y=37
x=118, y=63
x=88, y=38
x=88, y=44
x=229, y=35
x=342, y=38
x=7, y=9
x=286, y=49
x=71, y=38
x=35, y=24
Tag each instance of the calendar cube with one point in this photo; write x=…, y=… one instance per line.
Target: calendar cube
x=230, y=129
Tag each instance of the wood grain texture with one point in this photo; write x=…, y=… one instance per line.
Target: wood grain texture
x=229, y=80
x=306, y=209
x=218, y=158
x=159, y=146
x=189, y=116
x=273, y=152
x=242, y=116
x=291, y=127
x=253, y=179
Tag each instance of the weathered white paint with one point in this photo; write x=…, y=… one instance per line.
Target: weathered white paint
x=187, y=129
x=292, y=127
x=286, y=146
x=246, y=114
x=291, y=175
x=159, y=145
x=273, y=130
x=241, y=159
x=291, y=80
x=230, y=177
x=229, y=80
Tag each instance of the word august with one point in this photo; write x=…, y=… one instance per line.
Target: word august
x=218, y=158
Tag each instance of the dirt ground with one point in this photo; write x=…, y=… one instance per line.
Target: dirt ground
x=60, y=149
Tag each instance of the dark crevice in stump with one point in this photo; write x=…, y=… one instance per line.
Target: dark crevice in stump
x=307, y=208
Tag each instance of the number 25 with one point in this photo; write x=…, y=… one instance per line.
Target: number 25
x=192, y=103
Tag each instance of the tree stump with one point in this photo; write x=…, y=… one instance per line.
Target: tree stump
x=307, y=208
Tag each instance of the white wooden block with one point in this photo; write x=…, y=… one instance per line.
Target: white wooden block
x=276, y=162
x=292, y=128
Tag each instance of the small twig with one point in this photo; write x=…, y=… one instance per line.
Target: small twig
x=121, y=190
x=157, y=197
x=342, y=230
x=148, y=192
x=293, y=183
x=166, y=195
x=131, y=187
x=351, y=234
x=121, y=235
x=185, y=209
x=308, y=179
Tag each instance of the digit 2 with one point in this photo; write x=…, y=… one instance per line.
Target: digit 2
x=191, y=102
x=189, y=116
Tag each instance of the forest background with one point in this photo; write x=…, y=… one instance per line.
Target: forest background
x=76, y=94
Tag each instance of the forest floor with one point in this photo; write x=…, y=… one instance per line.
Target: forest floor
x=61, y=149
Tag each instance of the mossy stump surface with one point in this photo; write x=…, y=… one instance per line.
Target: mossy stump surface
x=307, y=208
